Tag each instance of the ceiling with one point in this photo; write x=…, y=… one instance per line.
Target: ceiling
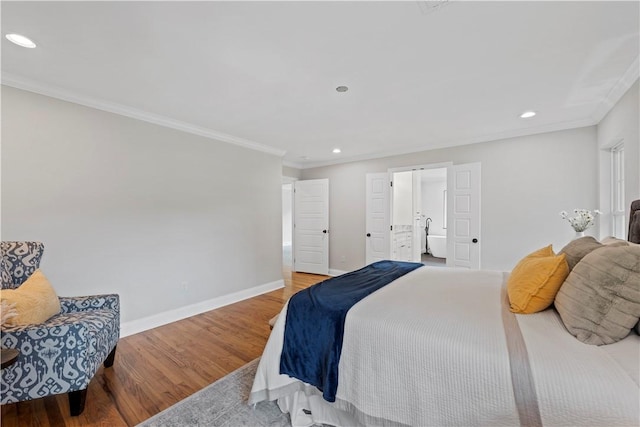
x=264, y=74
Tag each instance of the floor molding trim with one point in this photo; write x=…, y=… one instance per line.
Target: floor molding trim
x=150, y=322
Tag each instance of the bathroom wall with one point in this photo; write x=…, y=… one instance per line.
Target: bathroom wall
x=402, y=198
x=433, y=204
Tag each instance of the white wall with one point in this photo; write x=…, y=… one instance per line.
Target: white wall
x=137, y=209
x=621, y=123
x=526, y=182
x=291, y=172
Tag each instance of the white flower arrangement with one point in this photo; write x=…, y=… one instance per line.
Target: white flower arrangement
x=583, y=219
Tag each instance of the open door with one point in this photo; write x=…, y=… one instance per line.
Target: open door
x=377, y=217
x=463, y=200
x=311, y=226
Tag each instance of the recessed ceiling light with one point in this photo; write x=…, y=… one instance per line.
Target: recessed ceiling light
x=342, y=88
x=337, y=151
x=21, y=40
x=527, y=114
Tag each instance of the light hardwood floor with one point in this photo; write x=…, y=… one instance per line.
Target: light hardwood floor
x=157, y=368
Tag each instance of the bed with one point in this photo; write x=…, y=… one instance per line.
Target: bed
x=439, y=347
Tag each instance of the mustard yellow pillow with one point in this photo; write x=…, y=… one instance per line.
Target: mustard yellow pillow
x=35, y=300
x=535, y=281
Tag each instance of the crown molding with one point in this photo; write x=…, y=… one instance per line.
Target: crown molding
x=552, y=127
x=618, y=90
x=123, y=110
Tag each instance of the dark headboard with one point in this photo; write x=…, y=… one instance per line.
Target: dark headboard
x=634, y=222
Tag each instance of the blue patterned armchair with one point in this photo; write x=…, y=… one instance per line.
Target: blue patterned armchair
x=62, y=354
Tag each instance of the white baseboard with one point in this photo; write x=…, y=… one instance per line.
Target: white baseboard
x=333, y=272
x=150, y=322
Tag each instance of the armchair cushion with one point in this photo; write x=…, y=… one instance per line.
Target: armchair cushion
x=19, y=261
x=91, y=302
x=35, y=300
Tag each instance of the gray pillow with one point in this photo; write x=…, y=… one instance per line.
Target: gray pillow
x=576, y=249
x=599, y=302
x=614, y=241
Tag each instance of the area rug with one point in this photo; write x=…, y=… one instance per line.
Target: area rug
x=223, y=403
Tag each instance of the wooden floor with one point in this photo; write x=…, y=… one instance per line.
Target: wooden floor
x=157, y=368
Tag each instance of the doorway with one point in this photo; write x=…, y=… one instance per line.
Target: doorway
x=433, y=236
x=287, y=227
x=419, y=215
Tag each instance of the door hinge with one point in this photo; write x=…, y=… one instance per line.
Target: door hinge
x=391, y=227
x=391, y=183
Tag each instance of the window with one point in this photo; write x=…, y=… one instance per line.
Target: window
x=618, y=205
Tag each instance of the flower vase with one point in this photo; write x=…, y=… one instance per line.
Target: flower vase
x=579, y=234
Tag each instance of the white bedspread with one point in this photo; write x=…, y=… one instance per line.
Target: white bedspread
x=430, y=349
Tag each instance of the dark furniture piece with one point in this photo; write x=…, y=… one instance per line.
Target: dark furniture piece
x=9, y=356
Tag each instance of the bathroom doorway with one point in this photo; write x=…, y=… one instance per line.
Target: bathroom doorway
x=434, y=212
x=419, y=215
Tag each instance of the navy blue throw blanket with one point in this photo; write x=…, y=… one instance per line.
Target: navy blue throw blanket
x=315, y=322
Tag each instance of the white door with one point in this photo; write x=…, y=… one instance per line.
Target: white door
x=463, y=201
x=311, y=226
x=377, y=217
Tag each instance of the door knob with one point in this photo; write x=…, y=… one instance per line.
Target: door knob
x=368, y=234
x=475, y=240
x=324, y=231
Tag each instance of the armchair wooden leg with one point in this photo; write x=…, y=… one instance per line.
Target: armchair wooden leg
x=110, y=358
x=76, y=401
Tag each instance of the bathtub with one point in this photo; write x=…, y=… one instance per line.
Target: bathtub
x=437, y=245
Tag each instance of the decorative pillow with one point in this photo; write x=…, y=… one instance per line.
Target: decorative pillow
x=614, y=241
x=535, y=280
x=576, y=249
x=634, y=223
x=7, y=311
x=599, y=302
x=35, y=300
